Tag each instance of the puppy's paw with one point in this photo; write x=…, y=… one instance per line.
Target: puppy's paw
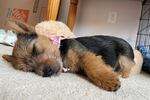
x=125, y=75
x=112, y=84
x=107, y=81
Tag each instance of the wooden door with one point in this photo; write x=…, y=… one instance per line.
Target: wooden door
x=53, y=7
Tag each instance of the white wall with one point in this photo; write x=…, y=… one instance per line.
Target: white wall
x=92, y=18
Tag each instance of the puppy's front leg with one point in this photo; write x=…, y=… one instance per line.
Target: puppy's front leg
x=98, y=72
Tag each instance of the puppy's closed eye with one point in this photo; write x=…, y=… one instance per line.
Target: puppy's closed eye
x=34, y=51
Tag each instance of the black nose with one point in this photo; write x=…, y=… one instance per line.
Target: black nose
x=47, y=72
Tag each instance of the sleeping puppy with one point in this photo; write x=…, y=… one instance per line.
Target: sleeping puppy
x=99, y=58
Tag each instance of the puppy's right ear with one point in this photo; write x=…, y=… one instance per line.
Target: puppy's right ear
x=19, y=27
x=8, y=58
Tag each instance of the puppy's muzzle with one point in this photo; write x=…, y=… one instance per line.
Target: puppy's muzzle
x=49, y=71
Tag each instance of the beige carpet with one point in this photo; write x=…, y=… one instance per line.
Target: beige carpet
x=18, y=85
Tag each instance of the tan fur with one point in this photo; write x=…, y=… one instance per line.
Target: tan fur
x=138, y=59
x=125, y=66
x=98, y=72
x=71, y=61
x=19, y=27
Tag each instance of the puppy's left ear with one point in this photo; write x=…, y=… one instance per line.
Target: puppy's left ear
x=20, y=27
x=8, y=58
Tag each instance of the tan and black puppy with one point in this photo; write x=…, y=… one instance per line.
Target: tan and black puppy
x=99, y=58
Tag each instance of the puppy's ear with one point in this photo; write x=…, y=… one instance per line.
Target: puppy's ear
x=8, y=58
x=27, y=37
x=19, y=27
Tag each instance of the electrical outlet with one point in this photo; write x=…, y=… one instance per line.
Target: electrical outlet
x=112, y=17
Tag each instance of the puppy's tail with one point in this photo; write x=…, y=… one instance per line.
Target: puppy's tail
x=138, y=59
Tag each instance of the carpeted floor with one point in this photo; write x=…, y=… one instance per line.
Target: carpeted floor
x=18, y=85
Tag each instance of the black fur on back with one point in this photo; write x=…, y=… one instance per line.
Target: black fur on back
x=107, y=46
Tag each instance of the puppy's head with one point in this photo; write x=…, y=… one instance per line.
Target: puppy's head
x=33, y=52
